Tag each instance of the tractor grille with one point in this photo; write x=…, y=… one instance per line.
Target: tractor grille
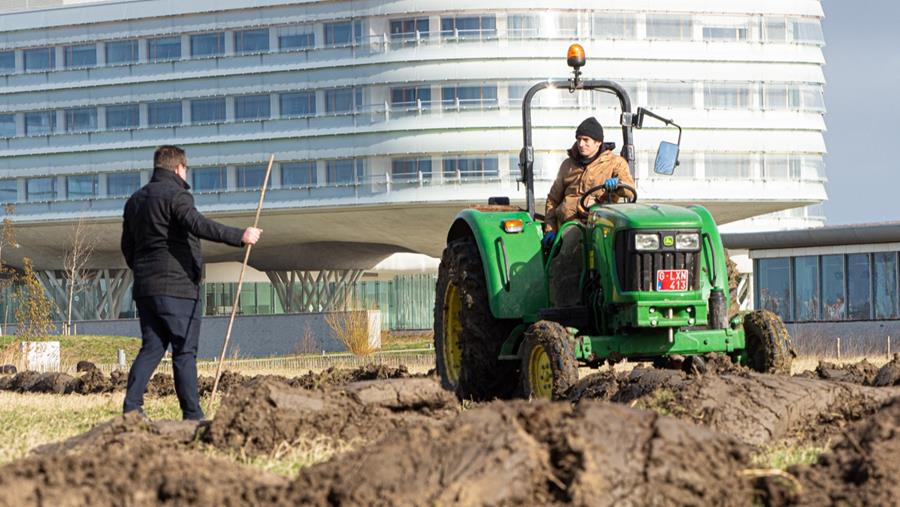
x=637, y=270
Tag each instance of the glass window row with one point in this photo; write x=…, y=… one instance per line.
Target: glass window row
x=859, y=286
x=410, y=31
x=412, y=98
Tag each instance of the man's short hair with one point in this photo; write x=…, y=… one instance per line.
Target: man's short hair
x=168, y=157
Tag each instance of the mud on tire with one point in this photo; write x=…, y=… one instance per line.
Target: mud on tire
x=769, y=346
x=481, y=376
x=554, y=340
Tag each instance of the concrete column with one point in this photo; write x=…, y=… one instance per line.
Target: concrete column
x=273, y=39
x=20, y=61
x=185, y=46
x=143, y=115
x=143, y=51
x=275, y=105
x=231, y=178
x=185, y=112
x=101, y=54
x=320, y=102
x=102, y=187
x=21, y=189
x=275, y=177
x=321, y=173
x=20, y=124
x=229, y=43
x=434, y=27
x=61, y=192
x=101, y=118
x=60, y=120
x=229, y=108
x=60, y=57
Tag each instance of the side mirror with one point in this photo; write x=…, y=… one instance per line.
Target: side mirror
x=666, y=158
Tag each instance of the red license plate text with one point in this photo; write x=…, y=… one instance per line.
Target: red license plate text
x=672, y=280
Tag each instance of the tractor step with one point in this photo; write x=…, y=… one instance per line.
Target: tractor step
x=578, y=317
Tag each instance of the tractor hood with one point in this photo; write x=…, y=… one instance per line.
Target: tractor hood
x=646, y=216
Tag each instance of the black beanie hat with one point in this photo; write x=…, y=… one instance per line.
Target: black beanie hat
x=591, y=128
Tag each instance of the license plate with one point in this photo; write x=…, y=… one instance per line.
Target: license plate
x=672, y=280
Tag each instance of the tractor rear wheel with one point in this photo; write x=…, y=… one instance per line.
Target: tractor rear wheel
x=548, y=367
x=769, y=346
x=467, y=337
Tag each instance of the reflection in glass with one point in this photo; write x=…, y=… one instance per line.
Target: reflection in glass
x=81, y=56
x=774, y=293
x=208, y=179
x=122, y=117
x=9, y=191
x=40, y=189
x=885, y=285
x=252, y=107
x=164, y=48
x=40, y=124
x=251, y=177
x=164, y=113
x=7, y=125
x=39, y=59
x=298, y=104
x=208, y=44
x=122, y=184
x=7, y=62
x=806, y=287
x=81, y=120
x=859, y=283
x=410, y=169
x=298, y=174
x=83, y=186
x=833, y=297
x=251, y=41
x=121, y=52
x=339, y=100
x=340, y=171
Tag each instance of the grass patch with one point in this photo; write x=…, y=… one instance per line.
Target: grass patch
x=407, y=340
x=782, y=455
x=288, y=459
x=96, y=349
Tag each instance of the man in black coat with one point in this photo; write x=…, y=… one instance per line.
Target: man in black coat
x=161, y=235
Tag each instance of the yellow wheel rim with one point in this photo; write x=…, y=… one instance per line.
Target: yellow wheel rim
x=540, y=374
x=452, y=352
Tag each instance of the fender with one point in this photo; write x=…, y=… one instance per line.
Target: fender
x=513, y=263
x=718, y=253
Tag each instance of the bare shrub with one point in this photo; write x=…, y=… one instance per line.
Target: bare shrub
x=352, y=329
x=34, y=307
x=306, y=344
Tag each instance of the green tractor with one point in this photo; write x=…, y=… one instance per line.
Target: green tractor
x=636, y=281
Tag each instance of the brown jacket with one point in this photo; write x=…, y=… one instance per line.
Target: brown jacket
x=573, y=180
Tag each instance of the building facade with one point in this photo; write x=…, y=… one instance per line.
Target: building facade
x=386, y=118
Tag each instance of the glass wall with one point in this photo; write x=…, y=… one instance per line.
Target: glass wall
x=251, y=177
x=164, y=113
x=207, y=110
x=121, y=52
x=123, y=117
x=859, y=286
x=252, y=107
x=164, y=48
x=40, y=189
x=298, y=174
x=208, y=44
x=83, y=186
x=297, y=104
x=614, y=26
x=251, y=41
x=39, y=59
x=80, y=56
x=9, y=191
x=7, y=62
x=40, y=123
x=122, y=184
x=7, y=125
x=83, y=119
x=208, y=179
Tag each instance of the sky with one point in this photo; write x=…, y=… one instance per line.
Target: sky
x=862, y=97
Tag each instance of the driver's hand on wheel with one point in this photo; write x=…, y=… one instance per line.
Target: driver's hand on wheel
x=611, y=184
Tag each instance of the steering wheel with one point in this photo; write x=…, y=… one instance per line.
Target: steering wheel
x=609, y=195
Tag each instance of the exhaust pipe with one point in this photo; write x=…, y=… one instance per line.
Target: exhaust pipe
x=718, y=309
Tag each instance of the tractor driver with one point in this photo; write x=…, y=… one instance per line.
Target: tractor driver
x=590, y=164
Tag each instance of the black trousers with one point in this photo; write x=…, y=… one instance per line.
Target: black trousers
x=167, y=321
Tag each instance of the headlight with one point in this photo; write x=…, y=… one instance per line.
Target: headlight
x=687, y=242
x=643, y=242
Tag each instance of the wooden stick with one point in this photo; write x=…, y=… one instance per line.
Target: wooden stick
x=237, y=294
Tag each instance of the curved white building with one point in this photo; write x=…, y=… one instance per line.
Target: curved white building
x=387, y=117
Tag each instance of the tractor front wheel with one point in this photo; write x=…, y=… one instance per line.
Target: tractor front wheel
x=769, y=346
x=467, y=337
x=549, y=368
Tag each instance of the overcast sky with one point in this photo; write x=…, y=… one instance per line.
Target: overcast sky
x=862, y=96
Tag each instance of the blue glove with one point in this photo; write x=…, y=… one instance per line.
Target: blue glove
x=611, y=184
x=547, y=242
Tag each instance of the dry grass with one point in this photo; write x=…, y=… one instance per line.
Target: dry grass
x=352, y=329
x=808, y=363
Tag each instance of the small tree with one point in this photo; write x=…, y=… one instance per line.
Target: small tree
x=34, y=307
x=7, y=239
x=81, y=246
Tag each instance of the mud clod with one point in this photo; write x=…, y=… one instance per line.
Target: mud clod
x=889, y=374
x=8, y=369
x=85, y=366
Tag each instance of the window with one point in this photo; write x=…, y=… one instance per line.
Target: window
x=343, y=33
x=341, y=100
x=251, y=177
x=164, y=48
x=860, y=286
x=121, y=52
x=40, y=123
x=122, y=184
x=811, y=168
x=410, y=169
x=122, y=117
x=251, y=41
x=164, y=113
x=469, y=27
x=342, y=171
x=781, y=167
x=670, y=27
x=7, y=125
x=806, y=288
x=813, y=98
x=885, y=285
x=83, y=186
x=208, y=110
x=297, y=104
x=40, y=189
x=673, y=95
x=833, y=298
x=549, y=25
x=81, y=120
x=296, y=37
x=807, y=31
x=298, y=174
x=81, y=56
x=726, y=96
x=208, y=179
x=469, y=96
x=729, y=166
x=776, y=30
x=408, y=97
x=9, y=191
x=7, y=62
x=687, y=166
x=726, y=32
x=406, y=32
x=208, y=44
x=470, y=167
x=614, y=26
x=774, y=293
x=39, y=59
x=252, y=107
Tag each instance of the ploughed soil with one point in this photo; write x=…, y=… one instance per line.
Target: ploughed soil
x=93, y=381
x=649, y=437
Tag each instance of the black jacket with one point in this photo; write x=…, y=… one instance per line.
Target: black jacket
x=161, y=235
